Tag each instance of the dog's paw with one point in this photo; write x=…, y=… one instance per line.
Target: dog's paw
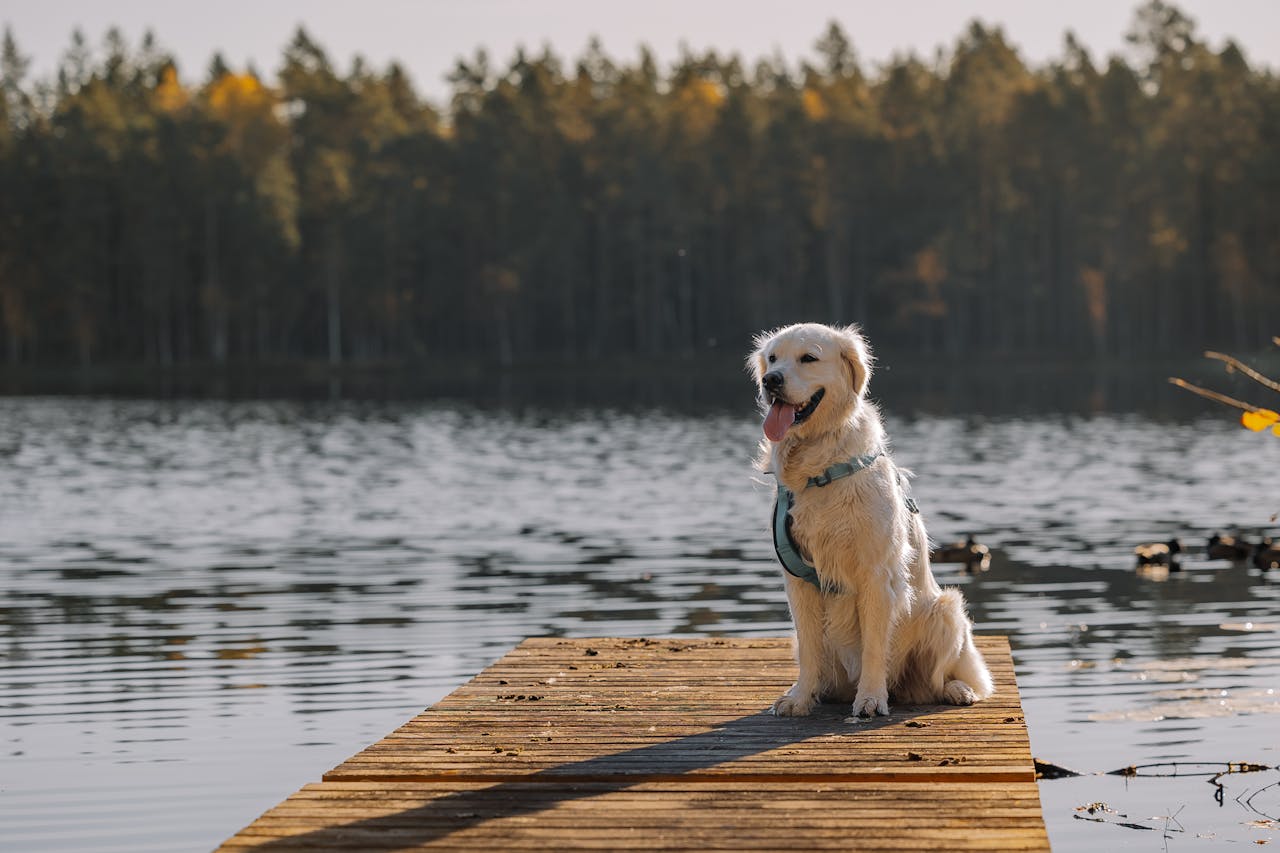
x=792, y=705
x=956, y=692
x=871, y=705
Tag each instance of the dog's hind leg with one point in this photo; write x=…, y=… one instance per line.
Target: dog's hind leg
x=811, y=652
x=965, y=676
x=970, y=679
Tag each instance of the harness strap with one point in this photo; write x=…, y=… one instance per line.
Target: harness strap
x=788, y=554
x=783, y=545
x=845, y=469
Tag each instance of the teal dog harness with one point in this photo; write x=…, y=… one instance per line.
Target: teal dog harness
x=788, y=554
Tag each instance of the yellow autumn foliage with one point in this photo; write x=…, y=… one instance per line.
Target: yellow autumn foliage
x=930, y=268
x=814, y=105
x=1093, y=282
x=232, y=96
x=703, y=92
x=248, y=109
x=698, y=103
x=170, y=95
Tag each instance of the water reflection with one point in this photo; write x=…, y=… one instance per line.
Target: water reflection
x=207, y=604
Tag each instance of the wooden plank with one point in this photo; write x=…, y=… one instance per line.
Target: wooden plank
x=600, y=709
x=650, y=815
x=664, y=744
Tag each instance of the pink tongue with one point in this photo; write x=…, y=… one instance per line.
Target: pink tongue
x=780, y=418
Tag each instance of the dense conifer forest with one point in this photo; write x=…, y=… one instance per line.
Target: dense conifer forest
x=559, y=211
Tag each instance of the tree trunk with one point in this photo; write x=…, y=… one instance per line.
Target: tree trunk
x=215, y=297
x=603, y=286
x=333, y=293
x=834, y=244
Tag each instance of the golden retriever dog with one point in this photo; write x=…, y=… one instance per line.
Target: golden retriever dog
x=871, y=621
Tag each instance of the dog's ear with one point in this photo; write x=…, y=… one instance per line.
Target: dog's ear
x=755, y=360
x=857, y=355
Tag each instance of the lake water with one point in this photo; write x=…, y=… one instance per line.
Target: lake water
x=206, y=604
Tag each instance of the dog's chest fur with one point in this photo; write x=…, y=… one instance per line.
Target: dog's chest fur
x=852, y=516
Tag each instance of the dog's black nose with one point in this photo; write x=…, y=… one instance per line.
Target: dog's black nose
x=772, y=381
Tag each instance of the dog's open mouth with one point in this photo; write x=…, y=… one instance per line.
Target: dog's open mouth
x=783, y=415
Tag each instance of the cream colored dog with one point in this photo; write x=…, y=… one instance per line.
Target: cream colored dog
x=879, y=623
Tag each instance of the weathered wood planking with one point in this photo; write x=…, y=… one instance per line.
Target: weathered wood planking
x=597, y=710
x=650, y=815
x=635, y=744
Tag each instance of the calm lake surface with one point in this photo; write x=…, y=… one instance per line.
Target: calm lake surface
x=206, y=604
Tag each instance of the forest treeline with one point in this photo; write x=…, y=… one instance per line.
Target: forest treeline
x=599, y=209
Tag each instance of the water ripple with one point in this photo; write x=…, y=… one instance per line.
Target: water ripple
x=205, y=605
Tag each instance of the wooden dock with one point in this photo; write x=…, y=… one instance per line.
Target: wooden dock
x=664, y=744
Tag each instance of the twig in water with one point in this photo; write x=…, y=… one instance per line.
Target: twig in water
x=1172, y=817
x=1213, y=395
x=1249, y=802
x=1049, y=770
x=1255, y=418
x=1234, y=363
x=1232, y=767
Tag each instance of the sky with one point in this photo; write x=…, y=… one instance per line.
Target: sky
x=429, y=35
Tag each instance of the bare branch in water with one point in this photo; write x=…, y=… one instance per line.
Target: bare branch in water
x=1234, y=363
x=1049, y=770
x=1172, y=768
x=1249, y=802
x=1212, y=395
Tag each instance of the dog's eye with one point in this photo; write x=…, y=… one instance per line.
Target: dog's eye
x=772, y=358
x=806, y=358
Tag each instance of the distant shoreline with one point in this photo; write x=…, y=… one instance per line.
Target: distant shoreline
x=707, y=381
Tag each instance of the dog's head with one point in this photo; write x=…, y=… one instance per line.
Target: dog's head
x=810, y=376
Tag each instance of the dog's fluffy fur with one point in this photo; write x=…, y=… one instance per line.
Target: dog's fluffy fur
x=881, y=625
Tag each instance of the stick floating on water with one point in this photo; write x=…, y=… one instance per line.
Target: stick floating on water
x=1234, y=363
x=1213, y=395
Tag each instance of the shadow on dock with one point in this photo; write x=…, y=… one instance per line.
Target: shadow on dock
x=680, y=759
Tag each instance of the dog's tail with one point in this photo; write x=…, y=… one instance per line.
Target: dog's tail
x=917, y=537
x=920, y=568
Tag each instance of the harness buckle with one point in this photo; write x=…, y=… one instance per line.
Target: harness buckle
x=823, y=479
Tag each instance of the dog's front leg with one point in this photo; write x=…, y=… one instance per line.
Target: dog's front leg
x=806, y=613
x=876, y=623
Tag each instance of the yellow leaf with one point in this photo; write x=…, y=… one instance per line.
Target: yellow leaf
x=1276, y=429
x=1259, y=419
